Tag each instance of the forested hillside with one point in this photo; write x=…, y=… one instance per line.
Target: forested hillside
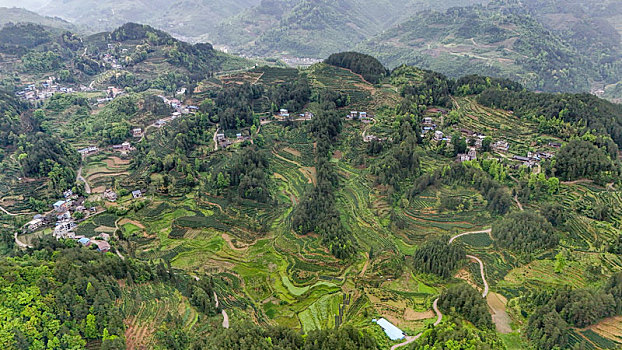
x=508, y=39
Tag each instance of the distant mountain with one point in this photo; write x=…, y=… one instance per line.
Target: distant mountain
x=184, y=18
x=19, y=15
x=543, y=44
x=316, y=28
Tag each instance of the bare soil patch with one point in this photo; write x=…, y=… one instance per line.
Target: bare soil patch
x=412, y=315
x=238, y=246
x=292, y=151
x=496, y=305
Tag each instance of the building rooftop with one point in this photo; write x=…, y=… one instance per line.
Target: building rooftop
x=391, y=330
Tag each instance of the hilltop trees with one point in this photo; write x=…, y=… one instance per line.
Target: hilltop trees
x=582, y=159
x=367, y=66
x=316, y=212
x=439, y=257
x=525, y=231
x=464, y=300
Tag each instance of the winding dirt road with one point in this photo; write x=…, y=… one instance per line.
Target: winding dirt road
x=452, y=239
x=481, y=264
x=481, y=270
x=79, y=177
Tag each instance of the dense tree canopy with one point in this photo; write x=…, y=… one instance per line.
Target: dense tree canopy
x=439, y=257
x=367, y=66
x=525, y=231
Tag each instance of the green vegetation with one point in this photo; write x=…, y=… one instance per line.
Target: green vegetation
x=300, y=231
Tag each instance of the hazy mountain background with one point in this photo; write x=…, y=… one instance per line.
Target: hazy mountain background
x=549, y=45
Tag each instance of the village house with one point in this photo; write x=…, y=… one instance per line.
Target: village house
x=124, y=147
x=529, y=162
x=105, y=236
x=64, y=216
x=68, y=194
x=61, y=205
x=34, y=224
x=137, y=132
x=353, y=115
x=110, y=195
x=284, y=113
x=220, y=137
x=428, y=121
x=88, y=150
x=137, y=194
x=160, y=123
x=370, y=138
x=64, y=230
x=175, y=115
x=501, y=146
x=555, y=144
x=438, y=135
x=102, y=246
x=85, y=241
x=470, y=155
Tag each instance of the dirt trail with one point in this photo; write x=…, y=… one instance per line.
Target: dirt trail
x=365, y=266
x=481, y=270
x=439, y=315
x=481, y=264
x=20, y=243
x=225, y=319
x=520, y=206
x=7, y=212
x=488, y=231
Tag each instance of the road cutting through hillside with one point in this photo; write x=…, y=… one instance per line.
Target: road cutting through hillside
x=439, y=315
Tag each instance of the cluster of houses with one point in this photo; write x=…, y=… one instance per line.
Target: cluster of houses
x=533, y=158
x=362, y=116
x=88, y=150
x=112, y=196
x=180, y=109
x=369, y=138
x=111, y=93
x=284, y=114
x=124, y=148
x=112, y=61
x=62, y=216
x=43, y=90
x=224, y=142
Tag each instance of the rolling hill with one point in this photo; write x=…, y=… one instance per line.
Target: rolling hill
x=577, y=51
x=19, y=15
x=315, y=28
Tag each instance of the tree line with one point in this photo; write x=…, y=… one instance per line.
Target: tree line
x=316, y=211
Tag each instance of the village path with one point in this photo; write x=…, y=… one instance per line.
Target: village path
x=439, y=315
x=520, y=206
x=225, y=316
x=214, y=138
x=79, y=177
x=20, y=243
x=7, y=212
x=488, y=231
